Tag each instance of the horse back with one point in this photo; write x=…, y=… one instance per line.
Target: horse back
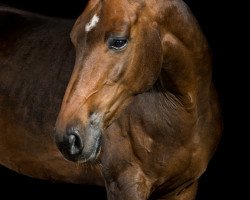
x=36, y=59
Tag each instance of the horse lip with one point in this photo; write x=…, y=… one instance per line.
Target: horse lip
x=96, y=153
x=93, y=156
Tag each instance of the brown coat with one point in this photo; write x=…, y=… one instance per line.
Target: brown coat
x=152, y=104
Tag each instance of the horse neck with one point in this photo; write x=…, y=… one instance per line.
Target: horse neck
x=186, y=69
x=186, y=78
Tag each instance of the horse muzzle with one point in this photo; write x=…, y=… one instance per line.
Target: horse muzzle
x=80, y=143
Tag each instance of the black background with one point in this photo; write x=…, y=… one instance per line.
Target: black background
x=222, y=23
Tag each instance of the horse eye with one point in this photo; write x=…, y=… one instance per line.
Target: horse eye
x=117, y=43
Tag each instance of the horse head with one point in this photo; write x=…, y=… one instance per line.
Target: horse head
x=123, y=48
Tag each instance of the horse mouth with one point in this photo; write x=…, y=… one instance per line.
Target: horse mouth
x=94, y=155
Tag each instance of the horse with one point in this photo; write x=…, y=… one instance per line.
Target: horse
x=139, y=112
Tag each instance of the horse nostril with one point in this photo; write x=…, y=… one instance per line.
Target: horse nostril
x=72, y=139
x=80, y=143
x=74, y=143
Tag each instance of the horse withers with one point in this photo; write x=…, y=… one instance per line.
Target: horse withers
x=139, y=108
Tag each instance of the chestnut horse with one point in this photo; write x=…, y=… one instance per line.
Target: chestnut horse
x=140, y=114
